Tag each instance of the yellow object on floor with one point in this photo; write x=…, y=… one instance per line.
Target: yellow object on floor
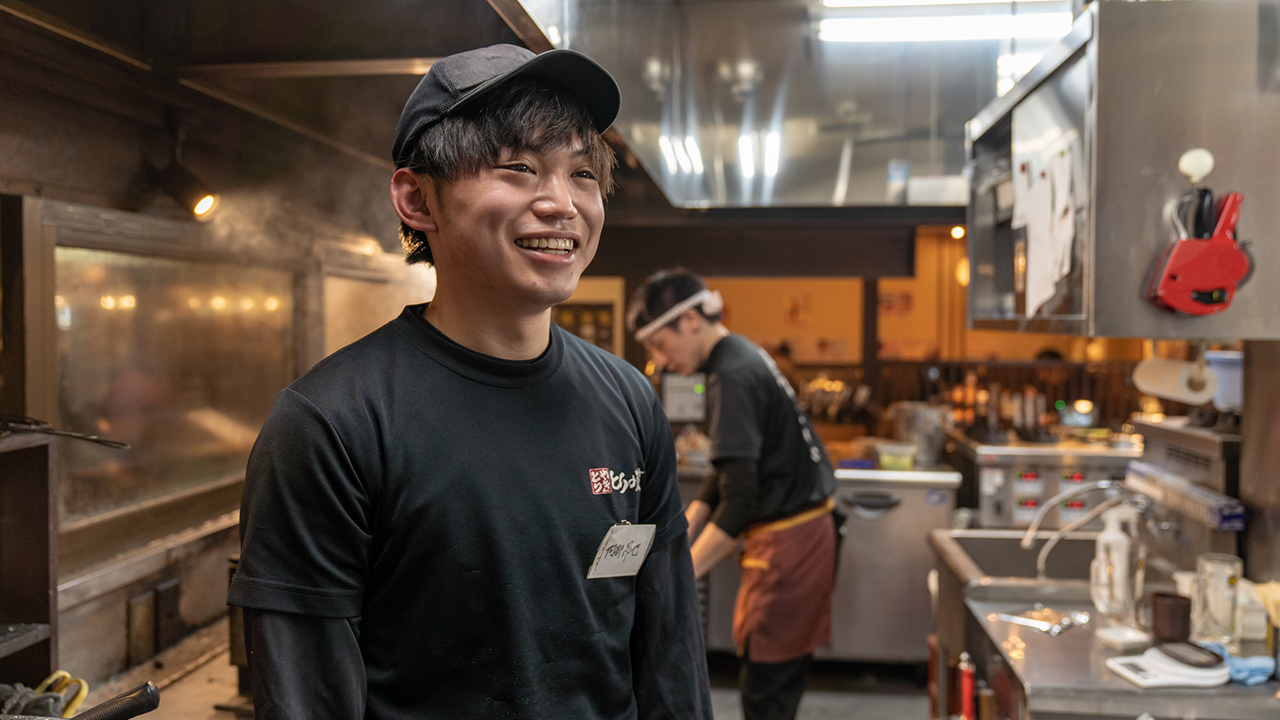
x=58, y=683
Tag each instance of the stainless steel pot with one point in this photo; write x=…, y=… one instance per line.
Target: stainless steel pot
x=924, y=426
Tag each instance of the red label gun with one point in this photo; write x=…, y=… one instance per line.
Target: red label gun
x=1200, y=276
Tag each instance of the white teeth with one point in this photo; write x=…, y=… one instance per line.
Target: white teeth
x=554, y=245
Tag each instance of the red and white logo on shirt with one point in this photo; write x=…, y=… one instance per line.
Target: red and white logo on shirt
x=600, y=483
x=605, y=481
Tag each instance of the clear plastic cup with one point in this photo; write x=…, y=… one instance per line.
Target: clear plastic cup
x=1213, y=615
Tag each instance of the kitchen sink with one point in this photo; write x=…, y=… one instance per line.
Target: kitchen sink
x=991, y=565
x=999, y=555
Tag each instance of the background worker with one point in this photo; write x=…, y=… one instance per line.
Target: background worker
x=772, y=489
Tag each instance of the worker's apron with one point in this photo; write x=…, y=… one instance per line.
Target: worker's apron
x=788, y=574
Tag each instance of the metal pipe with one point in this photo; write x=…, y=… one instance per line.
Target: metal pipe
x=1029, y=538
x=1049, y=544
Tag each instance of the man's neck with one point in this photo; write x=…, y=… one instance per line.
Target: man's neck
x=477, y=326
x=711, y=335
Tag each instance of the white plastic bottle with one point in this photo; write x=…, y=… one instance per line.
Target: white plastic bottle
x=1109, y=582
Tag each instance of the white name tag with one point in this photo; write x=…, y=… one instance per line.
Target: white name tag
x=622, y=551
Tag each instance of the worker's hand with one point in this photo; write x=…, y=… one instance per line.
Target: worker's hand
x=712, y=545
x=697, y=514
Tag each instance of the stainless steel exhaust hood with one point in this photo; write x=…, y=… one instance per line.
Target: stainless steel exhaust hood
x=847, y=103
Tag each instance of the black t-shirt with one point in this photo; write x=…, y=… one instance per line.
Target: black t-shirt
x=752, y=414
x=454, y=502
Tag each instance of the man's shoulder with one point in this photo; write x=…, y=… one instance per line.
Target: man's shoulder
x=740, y=356
x=360, y=366
x=588, y=360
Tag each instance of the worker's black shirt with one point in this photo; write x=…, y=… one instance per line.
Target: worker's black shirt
x=753, y=416
x=453, y=503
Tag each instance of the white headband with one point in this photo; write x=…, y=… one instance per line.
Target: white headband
x=709, y=300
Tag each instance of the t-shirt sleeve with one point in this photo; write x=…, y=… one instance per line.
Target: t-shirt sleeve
x=304, y=519
x=305, y=667
x=660, y=494
x=668, y=658
x=735, y=416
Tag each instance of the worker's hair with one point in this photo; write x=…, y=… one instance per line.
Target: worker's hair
x=528, y=114
x=660, y=292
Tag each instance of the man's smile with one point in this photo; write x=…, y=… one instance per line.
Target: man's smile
x=548, y=245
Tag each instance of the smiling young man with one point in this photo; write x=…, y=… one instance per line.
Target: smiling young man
x=471, y=513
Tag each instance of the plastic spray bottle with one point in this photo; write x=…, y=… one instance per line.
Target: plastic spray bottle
x=1112, y=579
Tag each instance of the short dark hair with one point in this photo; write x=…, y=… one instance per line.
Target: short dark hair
x=528, y=114
x=660, y=292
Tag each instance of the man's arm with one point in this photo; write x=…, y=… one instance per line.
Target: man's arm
x=696, y=515
x=712, y=546
x=739, y=483
x=700, y=509
x=304, y=666
x=668, y=657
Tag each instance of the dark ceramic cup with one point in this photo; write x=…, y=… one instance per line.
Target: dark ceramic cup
x=1170, y=617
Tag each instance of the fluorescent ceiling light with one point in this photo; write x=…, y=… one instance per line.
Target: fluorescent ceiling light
x=772, y=153
x=945, y=28
x=695, y=157
x=917, y=3
x=686, y=167
x=668, y=154
x=1018, y=64
x=745, y=159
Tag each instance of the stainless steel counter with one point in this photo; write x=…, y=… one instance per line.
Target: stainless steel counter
x=1062, y=448
x=881, y=605
x=941, y=476
x=1067, y=675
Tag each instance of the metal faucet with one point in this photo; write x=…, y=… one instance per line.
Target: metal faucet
x=1141, y=503
x=1029, y=538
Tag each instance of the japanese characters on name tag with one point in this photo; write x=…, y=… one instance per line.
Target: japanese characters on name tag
x=622, y=551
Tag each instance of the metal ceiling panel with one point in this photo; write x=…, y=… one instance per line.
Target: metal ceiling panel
x=797, y=104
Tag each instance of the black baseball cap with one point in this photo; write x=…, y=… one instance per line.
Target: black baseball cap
x=465, y=80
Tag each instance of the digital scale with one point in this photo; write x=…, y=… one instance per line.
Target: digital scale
x=1158, y=668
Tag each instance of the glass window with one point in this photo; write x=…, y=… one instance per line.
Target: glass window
x=354, y=308
x=182, y=360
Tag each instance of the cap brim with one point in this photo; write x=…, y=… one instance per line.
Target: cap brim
x=594, y=85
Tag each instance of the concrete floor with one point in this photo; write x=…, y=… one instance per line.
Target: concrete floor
x=193, y=698
x=832, y=705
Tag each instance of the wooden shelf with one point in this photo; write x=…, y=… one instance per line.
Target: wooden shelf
x=28, y=559
x=21, y=636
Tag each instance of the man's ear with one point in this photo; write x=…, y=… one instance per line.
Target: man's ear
x=409, y=197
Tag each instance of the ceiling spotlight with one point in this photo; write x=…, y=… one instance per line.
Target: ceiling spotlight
x=189, y=190
x=957, y=232
x=177, y=179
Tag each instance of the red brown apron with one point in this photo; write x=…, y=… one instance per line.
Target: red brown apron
x=788, y=575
